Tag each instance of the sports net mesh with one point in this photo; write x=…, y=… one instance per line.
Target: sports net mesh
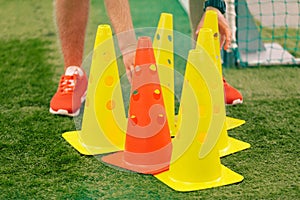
x=266, y=31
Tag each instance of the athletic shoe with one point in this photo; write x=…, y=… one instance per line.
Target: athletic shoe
x=71, y=92
x=232, y=95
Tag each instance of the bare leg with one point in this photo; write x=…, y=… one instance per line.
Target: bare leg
x=71, y=19
x=120, y=17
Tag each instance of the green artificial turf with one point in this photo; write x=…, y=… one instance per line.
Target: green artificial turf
x=37, y=163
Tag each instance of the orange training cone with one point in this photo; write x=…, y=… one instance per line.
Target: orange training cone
x=148, y=146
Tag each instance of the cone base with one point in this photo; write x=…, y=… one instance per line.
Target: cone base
x=74, y=139
x=117, y=159
x=232, y=123
x=234, y=146
x=228, y=177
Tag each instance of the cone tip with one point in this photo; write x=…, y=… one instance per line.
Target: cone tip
x=166, y=14
x=205, y=30
x=144, y=42
x=104, y=28
x=211, y=12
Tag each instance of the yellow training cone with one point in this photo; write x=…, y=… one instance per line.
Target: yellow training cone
x=195, y=166
x=163, y=50
x=232, y=123
x=209, y=38
x=211, y=21
x=104, y=121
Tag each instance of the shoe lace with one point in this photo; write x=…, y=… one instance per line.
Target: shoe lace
x=67, y=83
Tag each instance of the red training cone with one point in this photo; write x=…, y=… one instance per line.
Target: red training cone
x=148, y=146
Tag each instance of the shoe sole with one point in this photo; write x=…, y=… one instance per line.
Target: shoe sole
x=65, y=112
x=235, y=102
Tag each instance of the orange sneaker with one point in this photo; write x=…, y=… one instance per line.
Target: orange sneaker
x=232, y=95
x=71, y=92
